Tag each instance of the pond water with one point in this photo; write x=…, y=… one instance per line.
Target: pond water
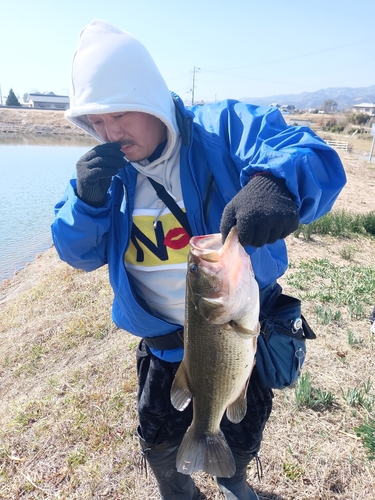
x=34, y=173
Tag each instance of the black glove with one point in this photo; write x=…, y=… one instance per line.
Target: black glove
x=263, y=211
x=95, y=171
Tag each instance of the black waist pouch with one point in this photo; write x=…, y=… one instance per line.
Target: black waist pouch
x=281, y=349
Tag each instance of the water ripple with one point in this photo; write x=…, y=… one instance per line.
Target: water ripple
x=33, y=180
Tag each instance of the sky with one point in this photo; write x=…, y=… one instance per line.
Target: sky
x=218, y=48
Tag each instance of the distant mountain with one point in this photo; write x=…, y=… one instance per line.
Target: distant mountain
x=345, y=97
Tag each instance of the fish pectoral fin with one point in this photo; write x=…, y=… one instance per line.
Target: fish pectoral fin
x=180, y=392
x=242, y=330
x=210, y=309
x=237, y=410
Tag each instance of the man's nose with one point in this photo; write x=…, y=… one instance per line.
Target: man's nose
x=114, y=132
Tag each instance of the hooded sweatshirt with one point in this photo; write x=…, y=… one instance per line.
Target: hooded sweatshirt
x=114, y=72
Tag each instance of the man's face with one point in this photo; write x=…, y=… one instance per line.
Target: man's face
x=138, y=133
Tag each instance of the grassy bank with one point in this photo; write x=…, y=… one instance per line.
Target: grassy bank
x=68, y=380
x=36, y=122
x=358, y=138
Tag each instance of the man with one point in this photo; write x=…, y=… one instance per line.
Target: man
x=221, y=165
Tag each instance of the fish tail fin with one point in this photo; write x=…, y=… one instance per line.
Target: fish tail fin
x=207, y=452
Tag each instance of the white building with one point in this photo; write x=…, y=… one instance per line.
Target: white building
x=365, y=107
x=48, y=100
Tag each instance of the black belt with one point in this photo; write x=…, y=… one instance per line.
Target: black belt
x=172, y=340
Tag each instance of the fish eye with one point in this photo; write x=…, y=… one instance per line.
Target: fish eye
x=193, y=268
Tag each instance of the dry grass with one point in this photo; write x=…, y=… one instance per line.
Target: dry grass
x=68, y=385
x=37, y=123
x=358, y=143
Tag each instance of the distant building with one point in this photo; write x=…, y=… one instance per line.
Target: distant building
x=48, y=100
x=287, y=108
x=365, y=107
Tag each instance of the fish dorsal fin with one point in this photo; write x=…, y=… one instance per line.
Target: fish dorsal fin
x=180, y=392
x=237, y=410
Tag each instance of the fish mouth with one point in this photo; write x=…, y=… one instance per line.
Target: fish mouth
x=213, y=255
x=223, y=286
x=210, y=248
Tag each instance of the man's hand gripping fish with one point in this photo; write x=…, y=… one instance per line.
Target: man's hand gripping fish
x=221, y=329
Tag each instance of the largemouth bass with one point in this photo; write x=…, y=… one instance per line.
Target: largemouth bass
x=221, y=329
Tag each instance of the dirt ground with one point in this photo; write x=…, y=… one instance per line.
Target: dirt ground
x=358, y=195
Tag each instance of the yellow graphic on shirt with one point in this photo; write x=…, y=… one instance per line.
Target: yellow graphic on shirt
x=165, y=244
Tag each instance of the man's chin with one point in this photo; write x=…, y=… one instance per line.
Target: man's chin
x=131, y=153
x=134, y=158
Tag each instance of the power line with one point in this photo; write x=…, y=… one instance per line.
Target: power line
x=264, y=63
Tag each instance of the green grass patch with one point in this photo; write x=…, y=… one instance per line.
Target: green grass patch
x=76, y=458
x=324, y=316
x=309, y=397
x=360, y=397
x=367, y=432
x=293, y=471
x=352, y=286
x=353, y=339
x=340, y=223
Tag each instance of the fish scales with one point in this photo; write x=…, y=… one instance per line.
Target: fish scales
x=216, y=350
x=221, y=328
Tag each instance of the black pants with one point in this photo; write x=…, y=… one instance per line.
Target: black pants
x=160, y=422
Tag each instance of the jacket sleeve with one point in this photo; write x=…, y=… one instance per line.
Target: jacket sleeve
x=261, y=141
x=80, y=231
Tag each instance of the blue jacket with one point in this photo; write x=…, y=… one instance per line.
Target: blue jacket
x=223, y=146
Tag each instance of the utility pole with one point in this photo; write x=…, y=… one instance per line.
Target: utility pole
x=373, y=140
x=1, y=97
x=193, y=87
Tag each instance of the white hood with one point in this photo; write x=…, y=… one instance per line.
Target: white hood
x=112, y=71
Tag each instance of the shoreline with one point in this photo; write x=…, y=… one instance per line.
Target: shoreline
x=15, y=270
x=39, y=122
x=29, y=274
